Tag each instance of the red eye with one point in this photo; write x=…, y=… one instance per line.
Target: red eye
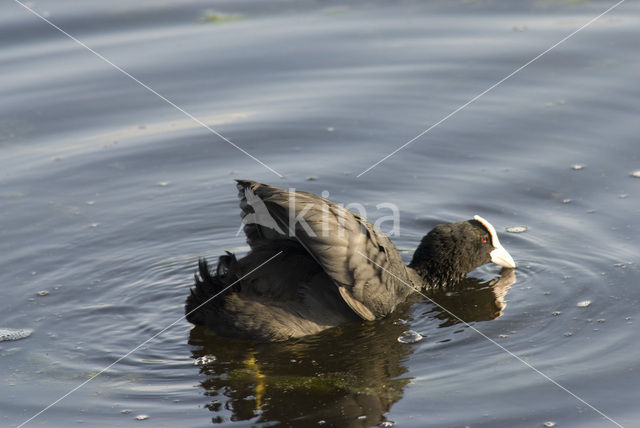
x=484, y=240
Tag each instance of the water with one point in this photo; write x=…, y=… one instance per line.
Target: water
x=108, y=196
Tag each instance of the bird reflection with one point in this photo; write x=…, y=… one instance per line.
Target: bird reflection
x=472, y=299
x=348, y=376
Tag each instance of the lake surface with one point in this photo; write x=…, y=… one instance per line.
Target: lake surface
x=109, y=195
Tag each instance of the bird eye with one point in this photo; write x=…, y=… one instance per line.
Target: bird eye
x=483, y=240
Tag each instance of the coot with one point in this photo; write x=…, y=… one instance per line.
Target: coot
x=314, y=265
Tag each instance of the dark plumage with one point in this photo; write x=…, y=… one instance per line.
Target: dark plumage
x=328, y=267
x=449, y=251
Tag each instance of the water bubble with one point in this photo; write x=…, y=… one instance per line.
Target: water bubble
x=204, y=360
x=163, y=183
x=410, y=336
x=516, y=229
x=583, y=303
x=14, y=334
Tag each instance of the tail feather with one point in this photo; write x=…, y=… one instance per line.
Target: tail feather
x=203, y=304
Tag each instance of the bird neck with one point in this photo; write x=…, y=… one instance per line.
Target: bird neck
x=436, y=274
x=438, y=265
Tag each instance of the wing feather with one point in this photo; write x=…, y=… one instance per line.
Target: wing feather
x=338, y=239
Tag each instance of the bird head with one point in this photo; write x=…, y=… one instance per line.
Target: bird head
x=449, y=251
